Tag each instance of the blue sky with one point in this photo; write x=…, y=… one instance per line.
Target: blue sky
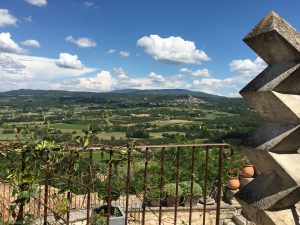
x=102, y=45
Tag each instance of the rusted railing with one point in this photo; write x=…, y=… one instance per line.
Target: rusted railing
x=166, y=157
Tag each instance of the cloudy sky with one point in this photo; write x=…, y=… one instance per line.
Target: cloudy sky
x=102, y=45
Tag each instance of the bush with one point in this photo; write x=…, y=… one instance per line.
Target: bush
x=186, y=189
x=170, y=190
x=153, y=194
x=117, y=189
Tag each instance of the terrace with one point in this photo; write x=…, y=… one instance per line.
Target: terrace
x=65, y=186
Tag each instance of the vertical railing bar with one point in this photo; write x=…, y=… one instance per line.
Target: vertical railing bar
x=145, y=186
x=46, y=184
x=89, y=187
x=69, y=197
x=177, y=183
x=192, y=185
x=161, y=184
x=205, y=183
x=220, y=164
x=109, y=186
x=20, y=217
x=127, y=185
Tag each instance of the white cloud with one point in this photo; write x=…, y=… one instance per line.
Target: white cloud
x=200, y=73
x=82, y=42
x=185, y=70
x=88, y=4
x=39, y=3
x=6, y=19
x=121, y=73
x=28, y=19
x=124, y=53
x=67, y=60
x=230, y=86
x=103, y=81
x=247, y=66
x=173, y=50
x=8, y=45
x=156, y=78
x=31, y=43
x=111, y=51
x=24, y=71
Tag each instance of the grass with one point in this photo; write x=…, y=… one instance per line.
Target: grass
x=68, y=126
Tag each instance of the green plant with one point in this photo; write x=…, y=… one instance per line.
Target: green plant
x=234, y=172
x=117, y=188
x=153, y=194
x=170, y=190
x=245, y=161
x=186, y=189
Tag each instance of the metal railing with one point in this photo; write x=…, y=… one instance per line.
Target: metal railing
x=170, y=161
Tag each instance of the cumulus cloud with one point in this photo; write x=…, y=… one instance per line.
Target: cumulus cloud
x=124, y=53
x=156, y=78
x=31, y=43
x=103, y=81
x=39, y=3
x=247, y=66
x=7, y=19
x=8, y=45
x=24, y=71
x=67, y=60
x=173, y=50
x=200, y=73
x=185, y=70
x=246, y=70
x=111, y=51
x=121, y=73
x=82, y=42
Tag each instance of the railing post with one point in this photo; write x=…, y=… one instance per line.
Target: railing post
x=205, y=183
x=145, y=186
x=109, y=186
x=177, y=183
x=46, y=184
x=162, y=161
x=127, y=184
x=69, y=196
x=89, y=187
x=20, y=217
x=192, y=185
x=219, y=185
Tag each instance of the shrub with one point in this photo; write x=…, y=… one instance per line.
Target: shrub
x=153, y=194
x=186, y=189
x=170, y=190
x=117, y=189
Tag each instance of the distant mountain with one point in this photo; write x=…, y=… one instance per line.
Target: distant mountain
x=167, y=92
x=21, y=92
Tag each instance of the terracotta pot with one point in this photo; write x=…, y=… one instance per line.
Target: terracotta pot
x=247, y=171
x=233, y=183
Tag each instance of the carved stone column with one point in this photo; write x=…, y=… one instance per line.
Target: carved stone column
x=274, y=147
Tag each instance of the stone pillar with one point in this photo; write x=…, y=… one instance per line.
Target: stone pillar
x=274, y=147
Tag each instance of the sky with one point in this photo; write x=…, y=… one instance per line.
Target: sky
x=104, y=45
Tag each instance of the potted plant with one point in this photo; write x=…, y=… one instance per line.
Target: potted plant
x=248, y=169
x=186, y=192
x=153, y=196
x=170, y=193
x=99, y=214
x=233, y=181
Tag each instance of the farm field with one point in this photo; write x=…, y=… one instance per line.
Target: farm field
x=117, y=118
